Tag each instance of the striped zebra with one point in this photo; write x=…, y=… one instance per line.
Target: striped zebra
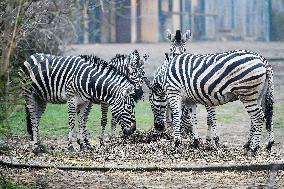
x=178, y=42
x=96, y=83
x=134, y=70
x=44, y=80
x=160, y=106
x=216, y=79
x=157, y=88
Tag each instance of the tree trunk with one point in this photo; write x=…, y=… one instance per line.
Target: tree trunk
x=86, y=22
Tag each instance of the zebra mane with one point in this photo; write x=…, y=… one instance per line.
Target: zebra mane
x=178, y=36
x=119, y=56
x=98, y=62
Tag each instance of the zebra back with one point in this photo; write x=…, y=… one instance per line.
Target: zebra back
x=131, y=66
x=206, y=78
x=46, y=75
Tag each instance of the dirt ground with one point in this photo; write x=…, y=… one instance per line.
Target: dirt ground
x=53, y=178
x=147, y=149
x=157, y=151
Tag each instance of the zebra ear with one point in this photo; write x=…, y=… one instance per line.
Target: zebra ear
x=145, y=58
x=186, y=35
x=167, y=57
x=134, y=58
x=169, y=35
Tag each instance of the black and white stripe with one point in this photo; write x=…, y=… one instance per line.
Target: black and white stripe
x=132, y=66
x=57, y=79
x=216, y=79
x=44, y=79
x=178, y=42
x=103, y=83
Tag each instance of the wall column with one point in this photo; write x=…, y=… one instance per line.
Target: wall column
x=149, y=21
x=133, y=21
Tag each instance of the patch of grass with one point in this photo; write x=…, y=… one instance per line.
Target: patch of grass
x=279, y=115
x=54, y=121
x=5, y=184
x=234, y=113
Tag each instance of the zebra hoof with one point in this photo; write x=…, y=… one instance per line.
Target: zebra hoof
x=70, y=148
x=246, y=146
x=40, y=148
x=102, y=141
x=216, y=141
x=252, y=152
x=177, y=143
x=196, y=143
x=269, y=146
x=88, y=146
x=160, y=126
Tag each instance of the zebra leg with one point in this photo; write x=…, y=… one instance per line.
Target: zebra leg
x=35, y=109
x=212, y=135
x=193, y=126
x=169, y=119
x=104, y=110
x=247, y=144
x=83, y=113
x=189, y=122
x=72, y=109
x=113, y=127
x=257, y=120
x=175, y=104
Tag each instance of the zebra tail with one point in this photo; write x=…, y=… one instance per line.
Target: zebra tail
x=29, y=123
x=269, y=100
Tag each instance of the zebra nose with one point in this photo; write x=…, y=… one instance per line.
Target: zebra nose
x=159, y=126
x=128, y=131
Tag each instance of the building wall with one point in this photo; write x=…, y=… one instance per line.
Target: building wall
x=147, y=20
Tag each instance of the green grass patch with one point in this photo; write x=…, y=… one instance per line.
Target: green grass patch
x=6, y=184
x=54, y=121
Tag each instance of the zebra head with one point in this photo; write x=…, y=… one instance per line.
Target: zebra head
x=124, y=111
x=136, y=71
x=177, y=41
x=158, y=101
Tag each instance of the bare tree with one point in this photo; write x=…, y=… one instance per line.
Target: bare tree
x=27, y=27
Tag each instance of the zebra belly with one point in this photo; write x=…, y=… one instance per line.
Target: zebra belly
x=214, y=99
x=50, y=95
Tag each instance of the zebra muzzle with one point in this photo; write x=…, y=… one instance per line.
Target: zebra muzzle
x=159, y=126
x=129, y=130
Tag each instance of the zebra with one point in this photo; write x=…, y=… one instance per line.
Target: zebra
x=133, y=70
x=160, y=105
x=157, y=86
x=178, y=42
x=216, y=79
x=44, y=79
x=95, y=83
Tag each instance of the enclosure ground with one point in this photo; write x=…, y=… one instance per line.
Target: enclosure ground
x=143, y=150
x=54, y=178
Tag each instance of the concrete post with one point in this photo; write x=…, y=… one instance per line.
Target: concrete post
x=133, y=21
